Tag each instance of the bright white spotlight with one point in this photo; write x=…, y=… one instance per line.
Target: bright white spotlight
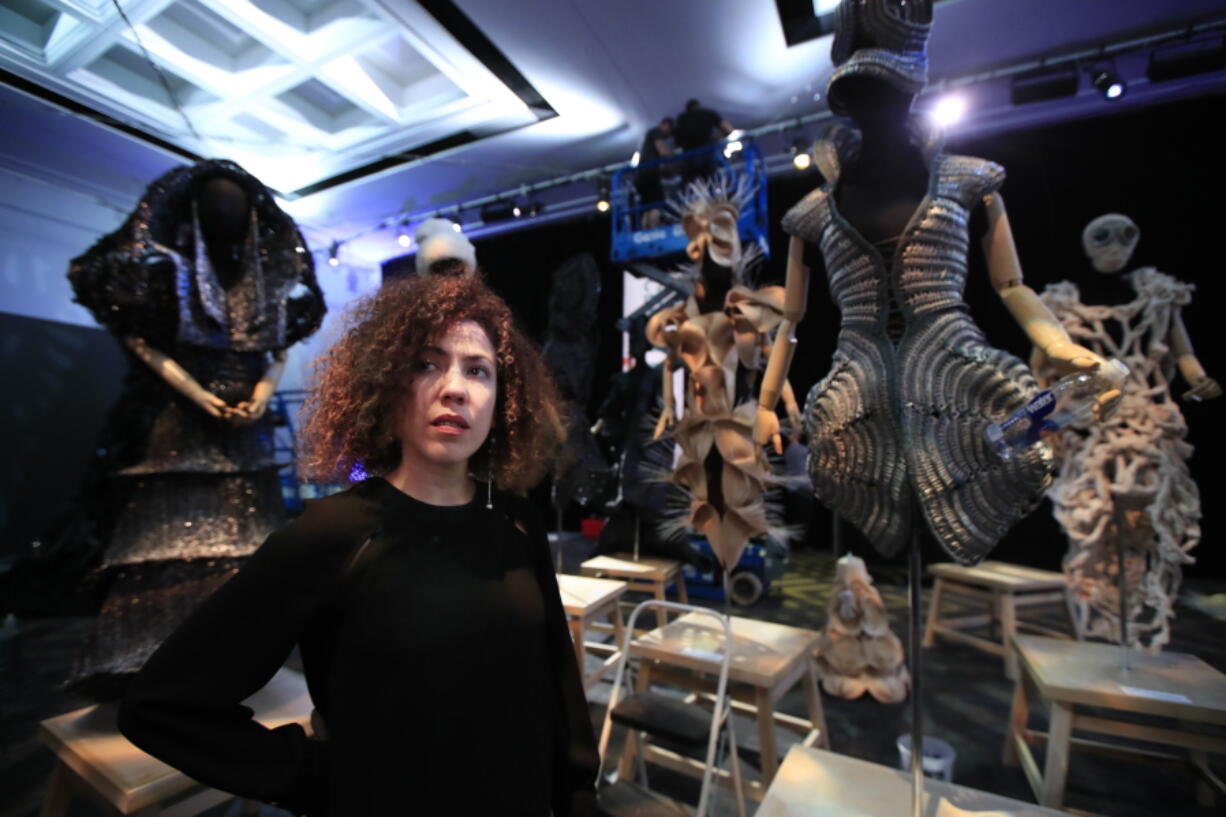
x=948, y=110
x=634, y=160
x=801, y=161
x=455, y=225
x=732, y=148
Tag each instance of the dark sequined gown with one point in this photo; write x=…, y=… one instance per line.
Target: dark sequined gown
x=187, y=496
x=896, y=428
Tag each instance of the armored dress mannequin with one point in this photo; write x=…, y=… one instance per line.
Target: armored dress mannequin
x=896, y=428
x=207, y=283
x=721, y=334
x=1124, y=484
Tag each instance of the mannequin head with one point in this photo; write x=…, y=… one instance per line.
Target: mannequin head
x=223, y=209
x=874, y=104
x=1109, y=241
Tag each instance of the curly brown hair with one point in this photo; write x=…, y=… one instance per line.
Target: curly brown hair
x=350, y=415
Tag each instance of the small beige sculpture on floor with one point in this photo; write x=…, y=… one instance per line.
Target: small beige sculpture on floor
x=857, y=652
x=1124, y=483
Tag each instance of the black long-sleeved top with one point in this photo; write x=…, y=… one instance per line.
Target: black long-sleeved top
x=435, y=649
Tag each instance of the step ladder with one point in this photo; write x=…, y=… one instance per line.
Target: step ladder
x=651, y=714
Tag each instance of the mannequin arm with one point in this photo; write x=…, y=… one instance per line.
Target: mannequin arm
x=254, y=407
x=1053, y=346
x=667, y=416
x=1203, y=386
x=177, y=377
x=796, y=297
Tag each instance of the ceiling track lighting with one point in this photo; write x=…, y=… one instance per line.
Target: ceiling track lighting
x=802, y=159
x=602, y=198
x=403, y=238
x=1108, y=82
x=333, y=254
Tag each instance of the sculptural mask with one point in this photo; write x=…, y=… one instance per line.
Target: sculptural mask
x=1109, y=241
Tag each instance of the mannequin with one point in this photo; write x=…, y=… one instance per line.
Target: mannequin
x=896, y=427
x=206, y=284
x=1124, y=485
x=720, y=334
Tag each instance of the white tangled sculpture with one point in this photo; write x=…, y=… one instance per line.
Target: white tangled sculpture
x=1124, y=483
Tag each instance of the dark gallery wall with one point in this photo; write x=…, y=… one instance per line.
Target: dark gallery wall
x=59, y=381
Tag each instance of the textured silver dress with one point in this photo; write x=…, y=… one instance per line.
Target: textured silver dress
x=184, y=497
x=896, y=428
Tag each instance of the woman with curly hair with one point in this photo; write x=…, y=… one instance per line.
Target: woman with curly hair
x=428, y=617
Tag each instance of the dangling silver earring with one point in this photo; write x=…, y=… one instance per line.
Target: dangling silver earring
x=489, y=485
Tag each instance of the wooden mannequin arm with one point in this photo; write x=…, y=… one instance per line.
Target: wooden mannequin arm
x=1053, y=348
x=254, y=407
x=1203, y=387
x=1036, y=320
x=795, y=299
x=177, y=377
x=667, y=416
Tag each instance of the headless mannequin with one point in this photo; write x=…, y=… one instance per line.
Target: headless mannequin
x=878, y=193
x=882, y=187
x=224, y=213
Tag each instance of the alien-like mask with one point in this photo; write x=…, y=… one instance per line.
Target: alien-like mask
x=1109, y=241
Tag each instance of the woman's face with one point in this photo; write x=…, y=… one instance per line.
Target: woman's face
x=449, y=409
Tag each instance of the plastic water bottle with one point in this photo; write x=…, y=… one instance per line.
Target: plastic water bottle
x=1072, y=398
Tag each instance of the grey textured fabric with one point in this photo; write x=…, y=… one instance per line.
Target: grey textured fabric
x=886, y=39
x=896, y=430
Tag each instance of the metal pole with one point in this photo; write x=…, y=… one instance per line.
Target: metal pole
x=917, y=729
x=1125, y=650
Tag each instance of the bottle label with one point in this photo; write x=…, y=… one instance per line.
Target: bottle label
x=1036, y=414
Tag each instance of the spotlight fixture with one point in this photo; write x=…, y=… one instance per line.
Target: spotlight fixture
x=535, y=208
x=516, y=210
x=734, y=145
x=333, y=251
x=948, y=110
x=1109, y=83
x=1044, y=84
x=634, y=160
x=402, y=234
x=801, y=158
x=602, y=198
x=455, y=224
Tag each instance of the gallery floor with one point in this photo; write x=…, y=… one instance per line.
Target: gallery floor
x=966, y=700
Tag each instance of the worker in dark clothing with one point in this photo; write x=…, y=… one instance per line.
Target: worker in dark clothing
x=699, y=127
x=657, y=144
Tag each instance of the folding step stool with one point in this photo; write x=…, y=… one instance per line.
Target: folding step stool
x=646, y=713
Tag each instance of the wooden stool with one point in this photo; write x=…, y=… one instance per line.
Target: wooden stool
x=586, y=599
x=1003, y=588
x=1181, y=693
x=648, y=574
x=813, y=783
x=767, y=661
x=94, y=759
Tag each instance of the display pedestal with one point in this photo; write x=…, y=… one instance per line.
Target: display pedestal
x=93, y=759
x=585, y=600
x=1067, y=674
x=815, y=783
x=768, y=660
x=1004, y=589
